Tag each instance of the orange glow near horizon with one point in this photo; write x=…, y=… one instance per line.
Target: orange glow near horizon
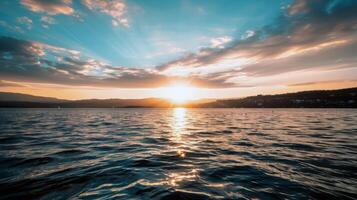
x=175, y=92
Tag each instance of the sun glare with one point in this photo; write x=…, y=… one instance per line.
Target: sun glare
x=179, y=94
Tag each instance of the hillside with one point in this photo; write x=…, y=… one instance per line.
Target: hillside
x=17, y=97
x=343, y=98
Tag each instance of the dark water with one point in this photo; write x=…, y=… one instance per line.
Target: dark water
x=178, y=154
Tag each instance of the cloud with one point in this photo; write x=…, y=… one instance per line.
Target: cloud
x=248, y=34
x=220, y=41
x=25, y=21
x=322, y=82
x=115, y=9
x=51, y=7
x=34, y=62
x=318, y=35
x=48, y=20
x=11, y=28
x=10, y=84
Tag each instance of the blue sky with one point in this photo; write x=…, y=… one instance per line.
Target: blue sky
x=217, y=45
x=158, y=31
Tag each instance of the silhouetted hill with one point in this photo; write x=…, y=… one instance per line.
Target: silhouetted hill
x=11, y=97
x=343, y=98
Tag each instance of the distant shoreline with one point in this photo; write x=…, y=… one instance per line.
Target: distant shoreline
x=342, y=98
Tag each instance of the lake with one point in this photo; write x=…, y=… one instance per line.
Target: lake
x=178, y=153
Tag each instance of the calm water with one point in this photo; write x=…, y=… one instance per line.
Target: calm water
x=178, y=154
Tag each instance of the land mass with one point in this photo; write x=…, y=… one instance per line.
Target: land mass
x=342, y=98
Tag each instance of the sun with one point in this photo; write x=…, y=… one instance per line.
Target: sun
x=179, y=93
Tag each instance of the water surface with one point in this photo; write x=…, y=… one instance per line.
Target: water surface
x=178, y=154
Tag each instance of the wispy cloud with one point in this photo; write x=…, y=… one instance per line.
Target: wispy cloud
x=9, y=27
x=219, y=42
x=322, y=82
x=25, y=21
x=115, y=9
x=308, y=35
x=35, y=62
x=247, y=34
x=47, y=20
x=10, y=84
x=51, y=7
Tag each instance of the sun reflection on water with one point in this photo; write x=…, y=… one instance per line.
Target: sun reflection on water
x=179, y=120
x=175, y=178
x=180, y=147
x=178, y=126
x=181, y=153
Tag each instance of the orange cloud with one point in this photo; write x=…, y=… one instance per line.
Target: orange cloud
x=49, y=7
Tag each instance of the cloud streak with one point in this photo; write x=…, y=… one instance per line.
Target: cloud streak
x=10, y=84
x=51, y=7
x=308, y=35
x=34, y=62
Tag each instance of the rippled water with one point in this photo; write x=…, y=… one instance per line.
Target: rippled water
x=178, y=154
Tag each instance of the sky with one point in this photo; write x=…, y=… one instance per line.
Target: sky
x=77, y=49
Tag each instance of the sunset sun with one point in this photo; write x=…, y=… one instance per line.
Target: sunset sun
x=179, y=93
